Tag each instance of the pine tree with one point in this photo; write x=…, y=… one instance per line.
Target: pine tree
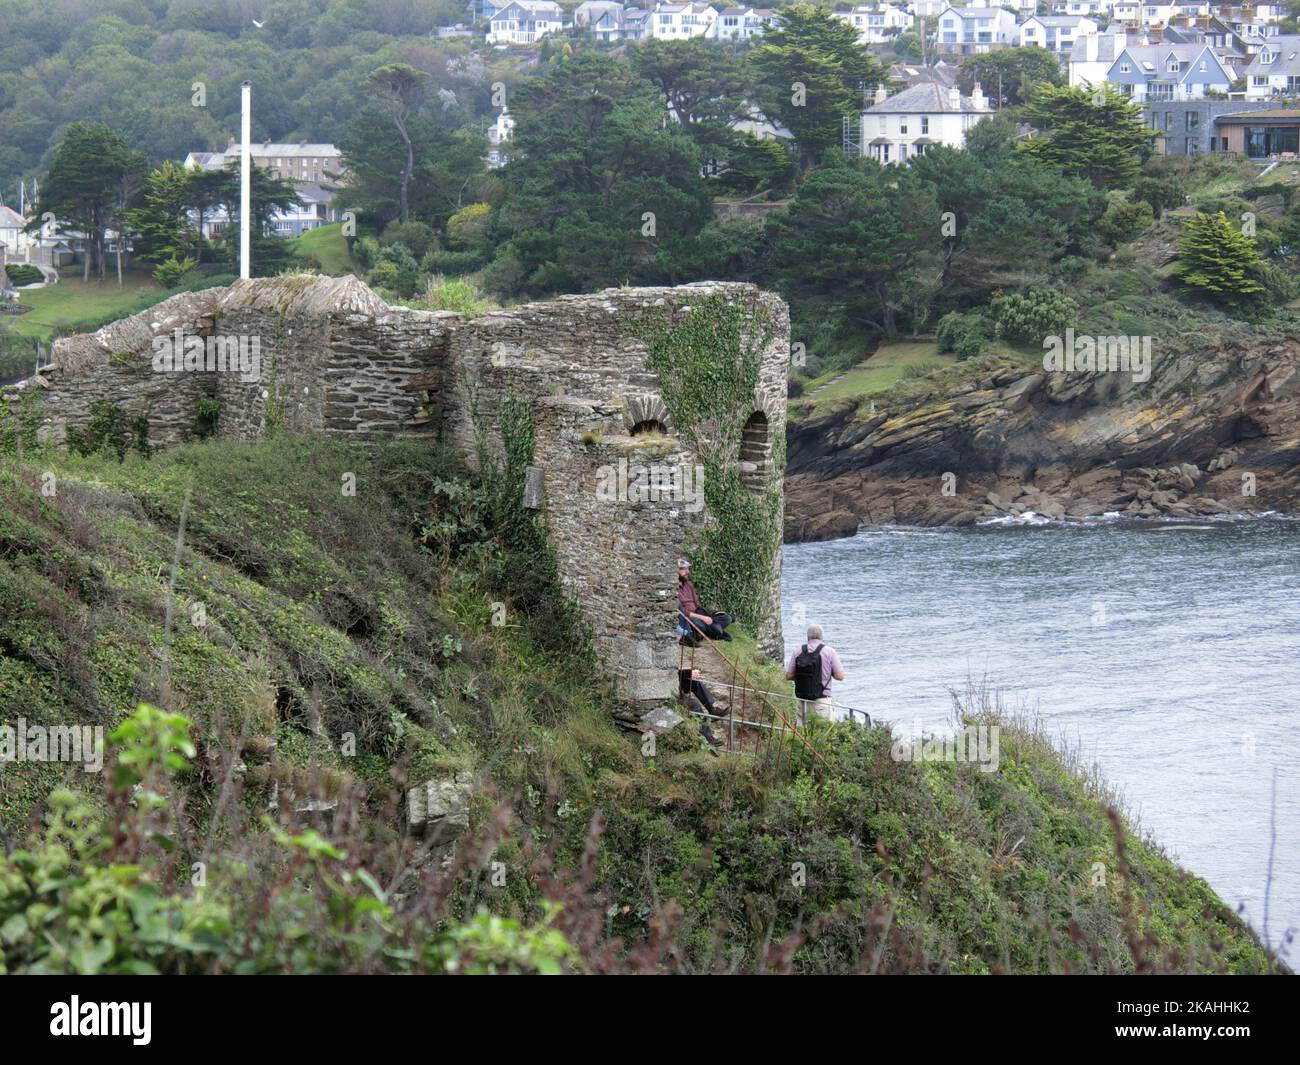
x=1218, y=260
x=1091, y=133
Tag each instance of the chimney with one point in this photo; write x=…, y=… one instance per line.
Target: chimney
x=954, y=99
x=976, y=97
x=881, y=95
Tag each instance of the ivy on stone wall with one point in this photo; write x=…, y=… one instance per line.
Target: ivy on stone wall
x=525, y=568
x=19, y=422
x=709, y=365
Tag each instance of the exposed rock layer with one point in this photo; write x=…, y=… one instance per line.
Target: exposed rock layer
x=1213, y=432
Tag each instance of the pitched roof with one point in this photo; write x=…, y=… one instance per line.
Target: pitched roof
x=9, y=218
x=924, y=98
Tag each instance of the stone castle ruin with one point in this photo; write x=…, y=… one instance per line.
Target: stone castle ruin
x=328, y=355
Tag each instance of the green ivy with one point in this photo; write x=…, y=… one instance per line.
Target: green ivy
x=708, y=366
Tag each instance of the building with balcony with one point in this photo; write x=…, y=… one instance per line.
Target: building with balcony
x=1169, y=72
x=975, y=30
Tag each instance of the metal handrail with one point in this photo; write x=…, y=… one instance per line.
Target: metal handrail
x=737, y=671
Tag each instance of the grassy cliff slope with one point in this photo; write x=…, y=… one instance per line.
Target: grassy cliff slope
x=349, y=621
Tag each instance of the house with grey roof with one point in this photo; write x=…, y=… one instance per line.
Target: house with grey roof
x=1275, y=69
x=897, y=128
x=1169, y=72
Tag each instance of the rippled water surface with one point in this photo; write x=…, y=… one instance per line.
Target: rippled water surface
x=1169, y=655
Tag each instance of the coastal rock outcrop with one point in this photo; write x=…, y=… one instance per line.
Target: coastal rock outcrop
x=1215, y=430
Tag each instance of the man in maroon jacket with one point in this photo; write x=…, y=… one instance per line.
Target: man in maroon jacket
x=695, y=618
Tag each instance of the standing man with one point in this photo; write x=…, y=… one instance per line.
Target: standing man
x=812, y=668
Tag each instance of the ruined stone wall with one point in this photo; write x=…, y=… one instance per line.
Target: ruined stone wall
x=333, y=357
x=115, y=365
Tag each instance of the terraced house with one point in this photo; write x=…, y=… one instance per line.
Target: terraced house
x=1169, y=72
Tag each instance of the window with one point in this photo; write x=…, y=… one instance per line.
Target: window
x=925, y=124
x=902, y=126
x=1193, y=120
x=884, y=124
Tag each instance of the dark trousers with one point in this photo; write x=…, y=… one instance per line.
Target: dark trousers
x=686, y=686
x=714, y=630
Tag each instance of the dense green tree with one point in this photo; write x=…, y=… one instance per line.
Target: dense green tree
x=599, y=187
x=812, y=68
x=850, y=238
x=1219, y=261
x=1011, y=72
x=268, y=196
x=91, y=179
x=398, y=90
x=161, y=221
x=701, y=84
x=447, y=173
x=1093, y=133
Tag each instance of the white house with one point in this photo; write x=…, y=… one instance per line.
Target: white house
x=1274, y=71
x=934, y=8
x=1091, y=55
x=1056, y=33
x=743, y=23
x=302, y=162
x=1082, y=7
x=1127, y=11
x=499, y=134
x=876, y=23
x=636, y=23
x=975, y=30
x=897, y=128
x=1156, y=14
x=306, y=166
x=1169, y=72
x=525, y=22
x=677, y=22
x=603, y=19
x=12, y=235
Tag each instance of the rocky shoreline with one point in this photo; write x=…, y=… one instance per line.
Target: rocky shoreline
x=1208, y=435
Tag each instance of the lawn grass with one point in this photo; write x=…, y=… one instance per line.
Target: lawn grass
x=72, y=303
x=328, y=247
x=888, y=365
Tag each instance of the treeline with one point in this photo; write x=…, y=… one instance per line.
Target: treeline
x=134, y=65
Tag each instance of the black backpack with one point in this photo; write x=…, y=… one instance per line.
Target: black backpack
x=808, y=673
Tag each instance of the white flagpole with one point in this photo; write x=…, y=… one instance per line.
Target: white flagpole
x=245, y=178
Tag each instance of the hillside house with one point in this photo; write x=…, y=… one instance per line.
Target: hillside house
x=1056, y=33
x=525, y=22
x=899, y=127
x=975, y=30
x=1169, y=72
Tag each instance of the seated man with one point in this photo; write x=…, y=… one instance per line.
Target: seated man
x=696, y=698
x=713, y=625
x=689, y=682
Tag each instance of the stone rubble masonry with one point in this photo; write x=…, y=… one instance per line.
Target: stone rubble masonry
x=335, y=358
